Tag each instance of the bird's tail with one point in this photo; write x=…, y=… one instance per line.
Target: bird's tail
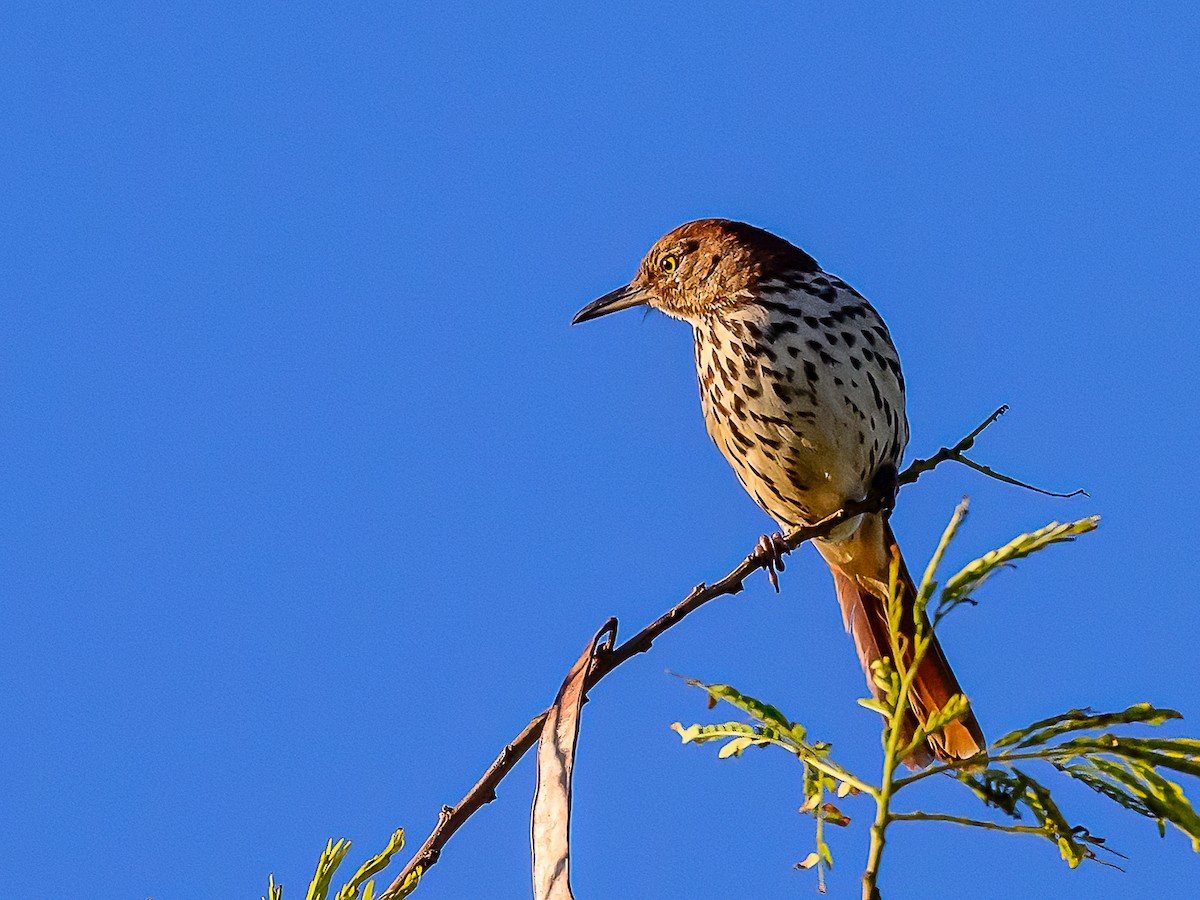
x=861, y=564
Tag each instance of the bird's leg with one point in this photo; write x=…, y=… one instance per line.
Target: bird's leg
x=770, y=549
x=884, y=486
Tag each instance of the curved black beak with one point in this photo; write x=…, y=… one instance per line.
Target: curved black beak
x=621, y=298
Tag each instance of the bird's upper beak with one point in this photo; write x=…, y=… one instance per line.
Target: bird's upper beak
x=621, y=298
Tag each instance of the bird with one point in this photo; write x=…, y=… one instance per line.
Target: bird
x=803, y=394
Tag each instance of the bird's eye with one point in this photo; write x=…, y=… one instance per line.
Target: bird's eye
x=669, y=264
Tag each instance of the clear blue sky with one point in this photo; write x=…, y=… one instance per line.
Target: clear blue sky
x=311, y=494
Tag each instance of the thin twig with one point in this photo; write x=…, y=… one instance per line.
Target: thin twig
x=974, y=762
x=919, y=467
x=957, y=454
x=1008, y=479
x=961, y=820
x=484, y=790
x=1040, y=830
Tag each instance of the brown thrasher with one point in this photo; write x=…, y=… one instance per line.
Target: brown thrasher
x=802, y=393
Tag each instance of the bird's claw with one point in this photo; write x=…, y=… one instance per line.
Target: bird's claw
x=771, y=549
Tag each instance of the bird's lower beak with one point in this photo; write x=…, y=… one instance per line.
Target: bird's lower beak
x=621, y=298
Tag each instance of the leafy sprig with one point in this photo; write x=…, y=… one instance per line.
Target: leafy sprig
x=1082, y=744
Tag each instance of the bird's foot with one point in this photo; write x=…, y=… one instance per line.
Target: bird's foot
x=771, y=549
x=884, y=486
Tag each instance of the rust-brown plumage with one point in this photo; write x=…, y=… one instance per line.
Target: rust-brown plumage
x=803, y=394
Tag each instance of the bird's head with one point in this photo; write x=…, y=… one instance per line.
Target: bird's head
x=703, y=267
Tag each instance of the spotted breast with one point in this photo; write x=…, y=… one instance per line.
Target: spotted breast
x=802, y=392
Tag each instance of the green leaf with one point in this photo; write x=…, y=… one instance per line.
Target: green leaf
x=756, y=709
x=1015, y=791
x=1084, y=719
x=997, y=788
x=1169, y=798
x=1163, y=799
x=1045, y=810
x=1189, y=747
x=959, y=588
x=700, y=734
x=815, y=783
x=327, y=864
x=928, y=585
x=1089, y=773
x=885, y=677
x=372, y=866
x=875, y=706
x=954, y=709
x=774, y=722
x=1138, y=749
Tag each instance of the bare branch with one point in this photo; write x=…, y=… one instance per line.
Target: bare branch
x=1008, y=479
x=484, y=790
x=919, y=467
x=957, y=454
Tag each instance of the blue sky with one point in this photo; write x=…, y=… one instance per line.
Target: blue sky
x=312, y=495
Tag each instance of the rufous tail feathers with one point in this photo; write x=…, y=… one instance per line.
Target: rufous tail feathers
x=860, y=566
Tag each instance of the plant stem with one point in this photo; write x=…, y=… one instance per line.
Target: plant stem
x=819, y=815
x=895, y=727
x=883, y=799
x=822, y=764
x=961, y=820
x=971, y=763
x=878, y=833
x=837, y=772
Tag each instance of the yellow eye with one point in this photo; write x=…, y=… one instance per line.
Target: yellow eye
x=669, y=264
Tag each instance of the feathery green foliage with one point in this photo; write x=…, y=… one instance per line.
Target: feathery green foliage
x=360, y=886
x=1080, y=743
x=1084, y=745
x=960, y=587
